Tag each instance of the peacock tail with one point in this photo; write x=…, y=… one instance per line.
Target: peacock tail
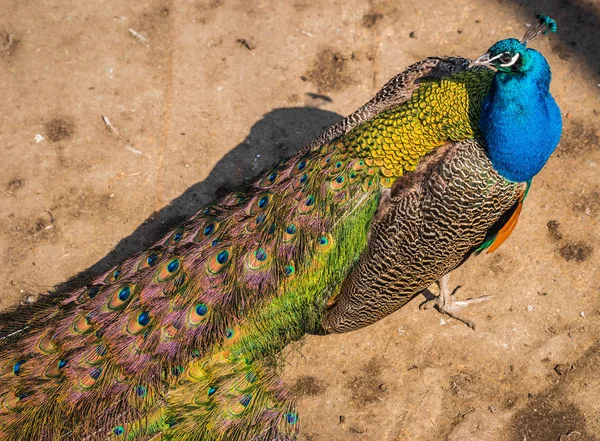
x=234, y=284
x=179, y=342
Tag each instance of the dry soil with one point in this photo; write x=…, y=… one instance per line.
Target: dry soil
x=121, y=118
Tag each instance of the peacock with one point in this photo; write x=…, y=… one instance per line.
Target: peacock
x=181, y=341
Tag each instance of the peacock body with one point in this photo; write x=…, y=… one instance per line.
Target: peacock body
x=179, y=342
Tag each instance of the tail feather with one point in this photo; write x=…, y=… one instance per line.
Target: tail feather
x=225, y=399
x=106, y=360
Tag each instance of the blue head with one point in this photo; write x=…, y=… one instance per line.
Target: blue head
x=512, y=55
x=506, y=56
x=520, y=122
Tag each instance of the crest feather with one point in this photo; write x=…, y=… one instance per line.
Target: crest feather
x=543, y=25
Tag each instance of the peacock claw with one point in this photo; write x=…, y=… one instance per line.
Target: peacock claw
x=446, y=302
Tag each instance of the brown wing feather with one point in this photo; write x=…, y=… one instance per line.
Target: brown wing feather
x=431, y=223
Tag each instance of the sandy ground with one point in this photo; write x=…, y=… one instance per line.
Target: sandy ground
x=203, y=94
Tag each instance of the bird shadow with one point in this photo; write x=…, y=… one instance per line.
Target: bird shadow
x=279, y=134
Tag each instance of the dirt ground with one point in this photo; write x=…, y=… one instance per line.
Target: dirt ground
x=198, y=95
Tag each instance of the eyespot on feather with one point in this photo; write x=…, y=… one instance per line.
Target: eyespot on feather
x=270, y=179
x=300, y=167
x=253, y=224
x=205, y=396
x=325, y=243
x=138, y=322
x=12, y=402
x=338, y=183
x=174, y=286
x=140, y=340
x=290, y=233
x=81, y=324
x=54, y=369
x=18, y=366
x=326, y=161
x=208, y=230
x=89, y=293
x=120, y=298
x=141, y=391
x=257, y=259
x=169, y=269
x=114, y=275
x=245, y=383
x=96, y=354
x=240, y=405
x=368, y=185
x=259, y=203
x=219, y=261
x=359, y=165
x=232, y=336
x=299, y=182
x=175, y=237
x=149, y=260
x=289, y=271
x=387, y=182
x=337, y=166
x=307, y=205
x=197, y=314
x=291, y=417
x=91, y=377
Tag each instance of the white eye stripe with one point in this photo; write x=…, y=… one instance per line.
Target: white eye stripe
x=512, y=61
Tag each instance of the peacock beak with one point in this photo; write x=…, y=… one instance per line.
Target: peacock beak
x=484, y=60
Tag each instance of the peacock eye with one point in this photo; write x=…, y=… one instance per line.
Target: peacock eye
x=505, y=58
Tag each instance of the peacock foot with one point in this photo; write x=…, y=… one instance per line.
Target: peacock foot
x=446, y=302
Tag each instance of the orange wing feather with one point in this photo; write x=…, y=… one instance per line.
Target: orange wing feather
x=506, y=229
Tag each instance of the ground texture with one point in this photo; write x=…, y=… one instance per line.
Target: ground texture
x=199, y=95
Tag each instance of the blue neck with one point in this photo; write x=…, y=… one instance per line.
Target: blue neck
x=520, y=121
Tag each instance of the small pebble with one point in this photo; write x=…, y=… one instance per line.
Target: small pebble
x=412, y=35
x=562, y=369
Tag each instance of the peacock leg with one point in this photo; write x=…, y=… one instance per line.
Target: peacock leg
x=447, y=304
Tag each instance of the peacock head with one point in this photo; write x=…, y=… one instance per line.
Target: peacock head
x=511, y=55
